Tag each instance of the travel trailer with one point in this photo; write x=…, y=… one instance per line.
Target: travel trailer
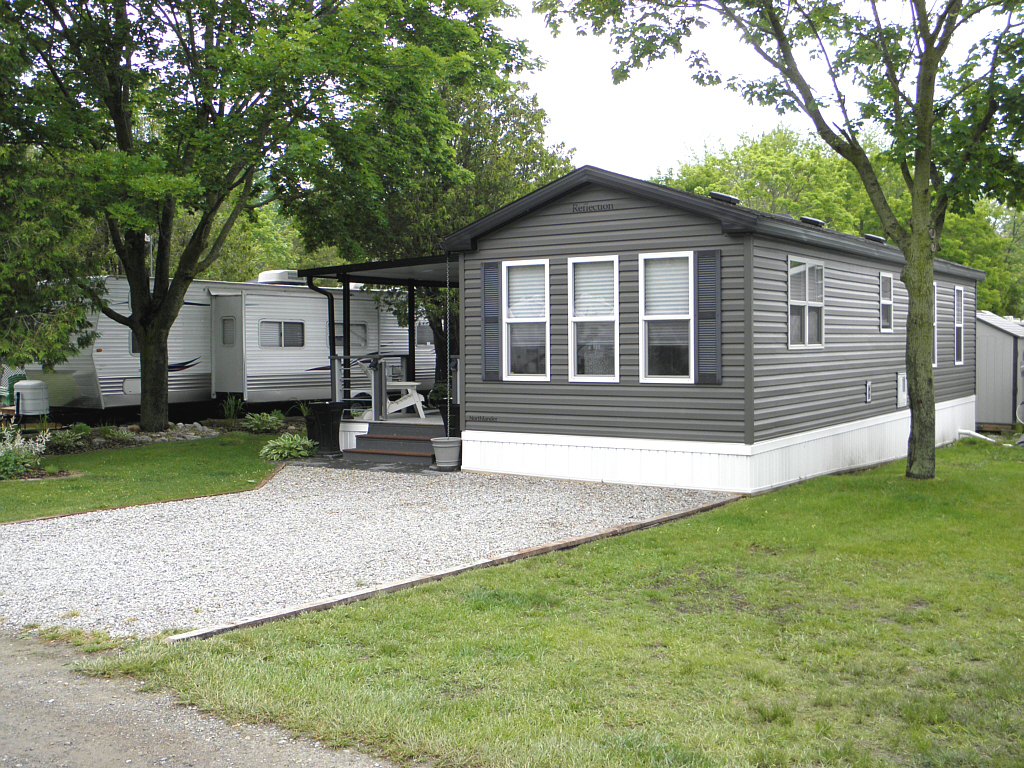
x=265, y=341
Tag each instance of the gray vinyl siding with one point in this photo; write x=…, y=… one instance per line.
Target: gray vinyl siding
x=768, y=390
x=626, y=408
x=796, y=390
x=954, y=381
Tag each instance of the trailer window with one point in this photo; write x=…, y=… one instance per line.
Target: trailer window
x=525, y=319
x=958, y=326
x=281, y=334
x=358, y=331
x=133, y=343
x=806, y=303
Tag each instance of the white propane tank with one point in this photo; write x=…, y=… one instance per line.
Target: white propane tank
x=31, y=398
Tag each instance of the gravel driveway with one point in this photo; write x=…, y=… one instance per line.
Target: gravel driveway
x=309, y=534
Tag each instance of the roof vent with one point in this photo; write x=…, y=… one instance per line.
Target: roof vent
x=724, y=198
x=875, y=238
x=285, y=276
x=810, y=220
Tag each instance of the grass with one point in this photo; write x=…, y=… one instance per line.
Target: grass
x=857, y=620
x=139, y=475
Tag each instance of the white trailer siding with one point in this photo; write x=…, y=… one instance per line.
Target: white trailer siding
x=1000, y=370
x=107, y=374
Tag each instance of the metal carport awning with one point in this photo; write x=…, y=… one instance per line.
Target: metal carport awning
x=441, y=271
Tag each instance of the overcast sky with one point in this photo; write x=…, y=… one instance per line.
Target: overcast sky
x=654, y=120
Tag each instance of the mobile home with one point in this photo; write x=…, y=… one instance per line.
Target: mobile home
x=1000, y=374
x=622, y=331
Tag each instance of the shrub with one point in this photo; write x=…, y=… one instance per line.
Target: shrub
x=117, y=435
x=64, y=441
x=264, y=422
x=288, y=446
x=18, y=455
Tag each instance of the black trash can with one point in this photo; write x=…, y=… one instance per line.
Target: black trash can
x=323, y=424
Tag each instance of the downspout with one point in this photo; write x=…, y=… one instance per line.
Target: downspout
x=411, y=368
x=330, y=333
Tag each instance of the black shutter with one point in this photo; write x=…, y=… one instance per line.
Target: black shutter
x=709, y=317
x=490, y=334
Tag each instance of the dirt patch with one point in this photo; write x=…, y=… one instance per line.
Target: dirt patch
x=53, y=717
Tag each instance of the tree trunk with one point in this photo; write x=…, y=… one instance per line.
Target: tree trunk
x=918, y=278
x=154, y=359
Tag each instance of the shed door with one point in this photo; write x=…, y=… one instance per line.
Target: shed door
x=228, y=345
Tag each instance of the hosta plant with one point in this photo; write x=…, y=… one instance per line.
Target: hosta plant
x=288, y=446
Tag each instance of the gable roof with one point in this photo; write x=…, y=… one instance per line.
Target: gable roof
x=1012, y=327
x=735, y=219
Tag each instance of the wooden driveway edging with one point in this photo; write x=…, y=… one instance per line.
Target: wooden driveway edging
x=426, y=578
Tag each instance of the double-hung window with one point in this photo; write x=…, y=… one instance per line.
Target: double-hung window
x=958, y=326
x=526, y=321
x=806, y=303
x=666, y=317
x=594, y=318
x=885, y=302
x=273, y=333
x=935, y=325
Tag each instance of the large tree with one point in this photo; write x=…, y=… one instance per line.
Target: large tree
x=44, y=309
x=404, y=209
x=196, y=110
x=941, y=81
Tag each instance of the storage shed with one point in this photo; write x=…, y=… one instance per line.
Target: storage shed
x=1000, y=371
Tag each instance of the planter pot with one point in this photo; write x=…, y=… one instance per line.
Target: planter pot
x=322, y=425
x=447, y=453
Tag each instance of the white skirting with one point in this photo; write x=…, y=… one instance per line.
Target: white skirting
x=708, y=465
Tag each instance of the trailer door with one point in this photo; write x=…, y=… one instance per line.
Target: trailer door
x=228, y=344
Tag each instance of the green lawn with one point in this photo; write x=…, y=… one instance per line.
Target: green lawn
x=857, y=620
x=139, y=475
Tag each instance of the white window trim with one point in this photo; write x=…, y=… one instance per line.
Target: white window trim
x=958, y=303
x=644, y=317
x=282, y=344
x=935, y=325
x=506, y=358
x=789, y=303
x=882, y=303
x=613, y=317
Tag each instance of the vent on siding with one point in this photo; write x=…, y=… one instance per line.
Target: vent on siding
x=227, y=331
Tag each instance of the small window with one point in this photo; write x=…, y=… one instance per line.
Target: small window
x=525, y=320
x=358, y=331
x=424, y=334
x=594, y=318
x=281, y=334
x=885, y=303
x=958, y=326
x=227, y=331
x=935, y=325
x=806, y=303
x=666, y=315
x=133, y=343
